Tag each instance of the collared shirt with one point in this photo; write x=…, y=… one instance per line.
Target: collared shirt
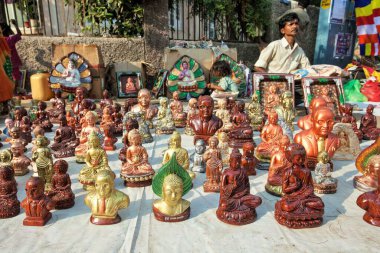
x=279, y=57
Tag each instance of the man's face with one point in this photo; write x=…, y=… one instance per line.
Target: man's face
x=205, y=109
x=144, y=99
x=323, y=123
x=290, y=28
x=103, y=187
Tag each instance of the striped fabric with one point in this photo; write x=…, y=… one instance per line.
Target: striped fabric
x=368, y=26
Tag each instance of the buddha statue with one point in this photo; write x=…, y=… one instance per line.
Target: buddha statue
x=80, y=150
x=8, y=126
x=106, y=100
x=270, y=138
x=182, y=155
x=199, y=164
x=58, y=107
x=43, y=161
x=129, y=124
x=149, y=111
x=298, y=207
x=71, y=121
x=186, y=78
x=278, y=164
x=136, y=171
x=286, y=113
x=368, y=165
x=164, y=121
x=20, y=163
x=231, y=105
x=176, y=107
x=304, y=122
x=272, y=99
x=349, y=118
x=323, y=122
x=241, y=131
x=224, y=147
x=117, y=119
x=16, y=136
x=26, y=129
x=18, y=114
x=37, y=205
x=109, y=139
x=323, y=182
x=368, y=125
x=205, y=124
x=106, y=117
x=61, y=192
x=369, y=201
x=104, y=200
x=6, y=157
x=249, y=161
x=193, y=111
x=9, y=204
x=43, y=117
x=255, y=113
x=171, y=183
x=224, y=114
x=86, y=106
x=65, y=140
x=96, y=160
x=236, y=204
x=76, y=106
x=214, y=166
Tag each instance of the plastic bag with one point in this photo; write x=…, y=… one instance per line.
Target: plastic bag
x=352, y=92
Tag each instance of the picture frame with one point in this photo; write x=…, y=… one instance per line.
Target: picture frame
x=159, y=83
x=128, y=84
x=263, y=81
x=330, y=88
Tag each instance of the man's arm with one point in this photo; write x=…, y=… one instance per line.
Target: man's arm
x=304, y=62
x=265, y=58
x=14, y=23
x=259, y=69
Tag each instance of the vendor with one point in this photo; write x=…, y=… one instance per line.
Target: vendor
x=226, y=87
x=284, y=55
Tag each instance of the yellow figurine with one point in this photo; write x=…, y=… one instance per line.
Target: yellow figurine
x=43, y=161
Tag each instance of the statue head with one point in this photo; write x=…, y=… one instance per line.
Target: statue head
x=284, y=142
x=6, y=172
x=17, y=148
x=175, y=140
x=240, y=105
x=323, y=121
x=91, y=118
x=222, y=137
x=6, y=156
x=60, y=167
x=34, y=188
x=104, y=183
x=323, y=157
x=206, y=106
x=325, y=91
x=295, y=153
x=18, y=114
x=222, y=103
x=248, y=149
x=41, y=141
x=273, y=89
x=62, y=120
x=93, y=140
x=373, y=166
x=134, y=137
x=25, y=120
x=272, y=117
x=370, y=108
x=317, y=102
x=235, y=159
x=287, y=99
x=106, y=94
x=172, y=190
x=144, y=98
x=58, y=93
x=185, y=65
x=176, y=95
x=164, y=102
x=9, y=123
x=255, y=97
x=116, y=107
x=213, y=142
x=80, y=93
x=38, y=130
x=15, y=132
x=42, y=105
x=200, y=146
x=131, y=124
x=193, y=103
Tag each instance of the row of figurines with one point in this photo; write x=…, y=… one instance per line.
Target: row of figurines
x=298, y=207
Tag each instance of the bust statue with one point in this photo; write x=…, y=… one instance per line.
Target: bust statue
x=6, y=157
x=368, y=125
x=43, y=161
x=199, y=164
x=304, y=122
x=20, y=163
x=205, y=124
x=171, y=183
x=16, y=137
x=298, y=207
x=322, y=124
x=214, y=166
x=367, y=164
x=10, y=206
x=145, y=107
x=37, y=205
x=255, y=113
x=176, y=107
x=236, y=205
x=193, y=111
x=65, y=140
x=104, y=200
x=164, y=122
x=43, y=117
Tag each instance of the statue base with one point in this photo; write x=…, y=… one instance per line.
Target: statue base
x=263, y=157
x=21, y=172
x=325, y=188
x=165, y=218
x=237, y=217
x=307, y=220
x=109, y=148
x=238, y=143
x=9, y=212
x=134, y=184
x=137, y=180
x=36, y=221
x=207, y=187
x=361, y=186
x=165, y=130
x=63, y=154
x=105, y=221
x=275, y=190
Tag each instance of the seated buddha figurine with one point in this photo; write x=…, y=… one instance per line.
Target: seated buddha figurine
x=249, y=161
x=368, y=125
x=193, y=110
x=304, y=122
x=322, y=124
x=80, y=94
x=106, y=117
x=176, y=107
x=149, y=111
x=272, y=99
x=286, y=113
x=136, y=171
x=20, y=163
x=199, y=164
x=80, y=150
x=9, y=204
x=369, y=201
x=325, y=94
x=367, y=163
x=278, y=164
x=270, y=138
x=224, y=147
x=86, y=107
x=181, y=153
x=348, y=118
x=65, y=140
x=104, y=200
x=205, y=124
x=214, y=166
x=298, y=207
x=58, y=103
x=171, y=183
x=255, y=113
x=96, y=160
x=43, y=117
x=323, y=181
x=105, y=101
x=241, y=131
x=6, y=157
x=37, y=205
x=26, y=129
x=129, y=124
x=224, y=114
x=117, y=119
x=60, y=191
x=43, y=161
x=236, y=204
x=164, y=120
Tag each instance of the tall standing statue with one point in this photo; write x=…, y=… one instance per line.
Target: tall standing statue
x=9, y=204
x=214, y=166
x=256, y=114
x=241, y=131
x=43, y=161
x=286, y=113
x=199, y=164
x=193, y=111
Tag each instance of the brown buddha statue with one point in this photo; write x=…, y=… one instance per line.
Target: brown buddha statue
x=176, y=107
x=9, y=204
x=249, y=161
x=128, y=126
x=236, y=204
x=43, y=117
x=26, y=129
x=322, y=124
x=214, y=166
x=80, y=93
x=205, y=124
x=368, y=125
x=61, y=192
x=65, y=140
x=304, y=122
x=298, y=207
x=20, y=163
x=117, y=119
x=106, y=117
x=348, y=118
x=71, y=121
x=106, y=100
x=145, y=107
x=241, y=131
x=59, y=107
x=37, y=205
x=193, y=111
x=109, y=138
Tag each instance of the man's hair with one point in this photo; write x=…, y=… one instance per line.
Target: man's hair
x=303, y=3
x=287, y=18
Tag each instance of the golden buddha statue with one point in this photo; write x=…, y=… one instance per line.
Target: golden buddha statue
x=272, y=100
x=224, y=148
x=368, y=181
x=286, y=113
x=171, y=183
x=43, y=161
x=164, y=123
x=96, y=160
x=181, y=153
x=224, y=114
x=104, y=200
x=255, y=113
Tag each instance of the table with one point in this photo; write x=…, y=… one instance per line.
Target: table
x=70, y=230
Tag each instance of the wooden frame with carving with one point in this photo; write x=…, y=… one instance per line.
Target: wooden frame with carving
x=160, y=83
x=126, y=90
